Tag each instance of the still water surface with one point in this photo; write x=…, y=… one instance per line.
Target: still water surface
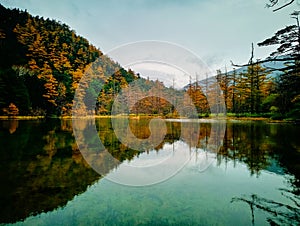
x=253, y=178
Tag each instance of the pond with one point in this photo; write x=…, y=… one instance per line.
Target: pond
x=249, y=176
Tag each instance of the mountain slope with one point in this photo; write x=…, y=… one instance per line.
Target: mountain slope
x=41, y=63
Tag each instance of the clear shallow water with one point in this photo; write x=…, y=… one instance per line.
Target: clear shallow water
x=254, y=175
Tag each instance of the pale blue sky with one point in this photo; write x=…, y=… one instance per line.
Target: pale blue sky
x=216, y=30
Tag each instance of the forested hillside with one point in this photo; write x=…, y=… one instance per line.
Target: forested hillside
x=41, y=63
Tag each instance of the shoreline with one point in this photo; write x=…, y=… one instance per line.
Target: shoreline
x=21, y=117
x=227, y=118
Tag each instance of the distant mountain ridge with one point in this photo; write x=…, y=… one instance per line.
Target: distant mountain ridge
x=272, y=66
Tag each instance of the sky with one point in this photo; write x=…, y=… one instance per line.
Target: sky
x=217, y=31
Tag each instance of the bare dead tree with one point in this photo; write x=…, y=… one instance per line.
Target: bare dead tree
x=273, y=3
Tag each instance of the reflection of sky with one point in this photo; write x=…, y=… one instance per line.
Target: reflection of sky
x=152, y=157
x=189, y=197
x=157, y=166
x=153, y=167
x=217, y=31
x=197, y=158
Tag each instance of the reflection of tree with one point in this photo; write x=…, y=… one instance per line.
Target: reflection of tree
x=258, y=145
x=287, y=152
x=11, y=125
x=279, y=213
x=41, y=169
x=111, y=142
x=272, y=147
x=190, y=133
x=247, y=143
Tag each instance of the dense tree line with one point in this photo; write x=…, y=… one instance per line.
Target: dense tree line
x=258, y=88
x=42, y=62
x=268, y=89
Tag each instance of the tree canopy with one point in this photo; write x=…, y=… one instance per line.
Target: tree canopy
x=42, y=62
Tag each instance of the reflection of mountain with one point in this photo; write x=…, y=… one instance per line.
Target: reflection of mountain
x=41, y=169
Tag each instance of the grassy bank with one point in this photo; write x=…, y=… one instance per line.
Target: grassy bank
x=229, y=116
x=21, y=117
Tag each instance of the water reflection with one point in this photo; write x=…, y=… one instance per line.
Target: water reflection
x=42, y=168
x=11, y=125
x=271, y=147
x=279, y=213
